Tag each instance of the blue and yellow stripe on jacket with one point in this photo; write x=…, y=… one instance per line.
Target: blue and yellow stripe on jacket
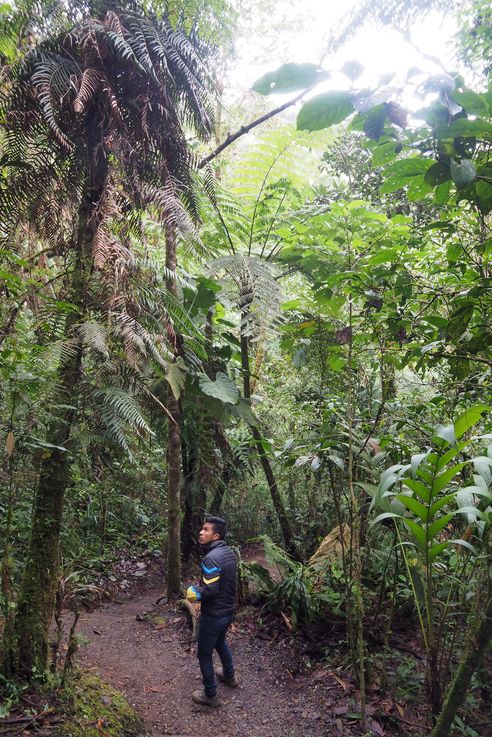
x=210, y=575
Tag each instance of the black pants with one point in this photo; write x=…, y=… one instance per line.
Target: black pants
x=211, y=636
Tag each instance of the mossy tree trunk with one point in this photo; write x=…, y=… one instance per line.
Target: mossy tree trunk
x=173, y=453
x=480, y=628
x=40, y=579
x=194, y=501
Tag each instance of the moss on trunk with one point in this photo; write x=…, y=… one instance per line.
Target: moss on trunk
x=92, y=708
x=40, y=579
x=480, y=628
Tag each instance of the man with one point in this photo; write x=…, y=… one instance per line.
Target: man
x=217, y=596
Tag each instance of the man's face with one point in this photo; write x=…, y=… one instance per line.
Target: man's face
x=207, y=534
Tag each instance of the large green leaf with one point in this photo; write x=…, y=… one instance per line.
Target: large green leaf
x=469, y=418
x=416, y=460
x=176, y=376
x=459, y=319
x=413, y=505
x=442, y=193
x=418, y=488
x=409, y=167
x=383, y=516
x=418, y=188
x=463, y=173
x=417, y=532
x=289, y=78
x=463, y=128
x=436, y=549
x=439, y=525
x=448, y=456
x=484, y=196
x=445, y=477
x=442, y=502
x=374, y=122
x=243, y=410
x=384, y=152
x=324, y=110
x=471, y=101
x=222, y=388
x=437, y=174
x=446, y=433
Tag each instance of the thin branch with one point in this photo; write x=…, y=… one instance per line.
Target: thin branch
x=462, y=356
x=224, y=225
x=246, y=129
x=373, y=428
x=159, y=403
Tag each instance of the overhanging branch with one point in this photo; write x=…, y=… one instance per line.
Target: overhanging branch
x=246, y=129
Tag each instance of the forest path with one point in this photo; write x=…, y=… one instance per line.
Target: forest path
x=156, y=668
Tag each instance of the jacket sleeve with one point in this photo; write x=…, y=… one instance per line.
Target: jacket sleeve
x=210, y=581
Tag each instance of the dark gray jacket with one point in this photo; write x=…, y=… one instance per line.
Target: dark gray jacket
x=217, y=589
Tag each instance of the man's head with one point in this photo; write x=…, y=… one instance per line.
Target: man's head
x=214, y=528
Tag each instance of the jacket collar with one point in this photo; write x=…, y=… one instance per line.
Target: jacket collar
x=213, y=545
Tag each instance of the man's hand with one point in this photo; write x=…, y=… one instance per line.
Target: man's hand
x=192, y=594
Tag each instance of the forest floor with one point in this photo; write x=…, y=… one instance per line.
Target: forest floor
x=144, y=650
x=290, y=685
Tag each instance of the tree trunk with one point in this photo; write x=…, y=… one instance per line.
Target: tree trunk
x=187, y=462
x=264, y=460
x=473, y=655
x=173, y=454
x=40, y=579
x=194, y=502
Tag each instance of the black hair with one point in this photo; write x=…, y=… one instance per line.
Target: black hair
x=219, y=525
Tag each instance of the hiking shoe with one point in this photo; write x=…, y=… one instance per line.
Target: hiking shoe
x=231, y=682
x=200, y=697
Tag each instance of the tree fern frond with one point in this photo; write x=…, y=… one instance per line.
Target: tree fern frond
x=298, y=161
x=94, y=337
x=112, y=422
x=89, y=85
x=125, y=406
x=242, y=449
x=156, y=269
x=250, y=285
x=52, y=80
x=137, y=338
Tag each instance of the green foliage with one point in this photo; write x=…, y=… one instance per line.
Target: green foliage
x=221, y=388
x=424, y=504
x=289, y=78
x=86, y=700
x=300, y=591
x=324, y=110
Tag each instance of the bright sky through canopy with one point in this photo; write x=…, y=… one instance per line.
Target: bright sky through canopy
x=297, y=31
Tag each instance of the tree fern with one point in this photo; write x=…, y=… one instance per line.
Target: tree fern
x=282, y=153
x=249, y=285
x=50, y=96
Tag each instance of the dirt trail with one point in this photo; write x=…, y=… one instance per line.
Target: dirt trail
x=156, y=668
